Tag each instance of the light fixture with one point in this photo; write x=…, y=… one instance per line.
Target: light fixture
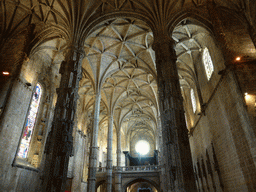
x=247, y=96
x=6, y=73
x=238, y=58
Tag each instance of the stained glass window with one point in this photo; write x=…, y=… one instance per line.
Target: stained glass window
x=208, y=65
x=193, y=100
x=30, y=122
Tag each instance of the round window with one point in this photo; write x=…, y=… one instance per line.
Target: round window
x=142, y=147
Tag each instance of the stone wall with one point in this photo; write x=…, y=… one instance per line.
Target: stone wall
x=215, y=129
x=222, y=131
x=19, y=175
x=223, y=140
x=14, y=178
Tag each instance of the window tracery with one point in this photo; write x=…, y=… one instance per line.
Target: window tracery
x=208, y=64
x=30, y=122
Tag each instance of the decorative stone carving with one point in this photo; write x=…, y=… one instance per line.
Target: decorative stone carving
x=175, y=137
x=60, y=140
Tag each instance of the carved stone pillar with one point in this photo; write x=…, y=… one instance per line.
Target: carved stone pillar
x=160, y=140
x=94, y=148
x=178, y=159
x=60, y=141
x=161, y=159
x=119, y=150
x=109, y=153
x=118, y=179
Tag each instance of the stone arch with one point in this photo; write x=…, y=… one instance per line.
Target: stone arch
x=151, y=182
x=96, y=21
x=45, y=36
x=206, y=27
x=102, y=182
x=45, y=79
x=196, y=16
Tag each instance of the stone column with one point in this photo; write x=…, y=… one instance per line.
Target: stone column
x=160, y=140
x=161, y=158
x=118, y=176
x=94, y=148
x=60, y=141
x=175, y=134
x=109, y=153
x=126, y=153
x=79, y=154
x=119, y=150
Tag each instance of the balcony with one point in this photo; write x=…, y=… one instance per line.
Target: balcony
x=144, y=168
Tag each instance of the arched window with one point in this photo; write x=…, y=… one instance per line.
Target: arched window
x=193, y=100
x=30, y=122
x=208, y=65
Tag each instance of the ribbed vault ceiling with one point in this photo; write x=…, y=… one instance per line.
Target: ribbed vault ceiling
x=120, y=64
x=189, y=38
x=119, y=60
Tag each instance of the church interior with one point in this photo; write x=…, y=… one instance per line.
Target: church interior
x=128, y=95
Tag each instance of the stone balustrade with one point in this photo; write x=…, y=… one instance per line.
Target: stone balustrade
x=132, y=168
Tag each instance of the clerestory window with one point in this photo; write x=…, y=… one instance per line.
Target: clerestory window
x=208, y=64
